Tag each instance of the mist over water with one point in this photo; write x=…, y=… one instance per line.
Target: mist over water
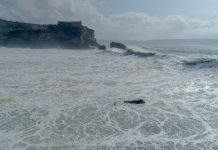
x=55, y=99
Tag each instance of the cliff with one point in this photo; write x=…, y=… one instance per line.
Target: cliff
x=69, y=35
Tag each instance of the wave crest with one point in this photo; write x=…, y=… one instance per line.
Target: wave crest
x=201, y=63
x=139, y=54
x=134, y=51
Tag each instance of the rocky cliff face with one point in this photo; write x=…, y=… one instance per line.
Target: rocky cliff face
x=63, y=35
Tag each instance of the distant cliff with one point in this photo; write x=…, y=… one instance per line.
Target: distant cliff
x=63, y=35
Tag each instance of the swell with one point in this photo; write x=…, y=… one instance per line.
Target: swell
x=189, y=63
x=136, y=51
x=139, y=54
x=201, y=63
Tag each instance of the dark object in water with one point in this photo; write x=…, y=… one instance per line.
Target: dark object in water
x=101, y=47
x=117, y=45
x=139, y=54
x=201, y=63
x=138, y=101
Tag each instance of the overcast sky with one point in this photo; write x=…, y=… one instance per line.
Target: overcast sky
x=189, y=8
x=123, y=19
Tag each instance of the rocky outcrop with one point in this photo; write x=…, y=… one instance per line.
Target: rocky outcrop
x=69, y=35
x=138, y=101
x=101, y=47
x=117, y=45
x=139, y=54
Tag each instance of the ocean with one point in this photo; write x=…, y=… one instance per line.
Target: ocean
x=57, y=99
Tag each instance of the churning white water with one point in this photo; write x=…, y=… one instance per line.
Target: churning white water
x=52, y=99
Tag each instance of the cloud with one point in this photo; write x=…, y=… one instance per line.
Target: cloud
x=51, y=11
x=128, y=26
x=46, y=11
x=141, y=26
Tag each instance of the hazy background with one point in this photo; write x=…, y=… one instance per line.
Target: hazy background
x=123, y=19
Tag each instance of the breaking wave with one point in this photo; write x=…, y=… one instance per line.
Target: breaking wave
x=134, y=51
x=139, y=54
x=169, y=58
x=201, y=63
x=61, y=99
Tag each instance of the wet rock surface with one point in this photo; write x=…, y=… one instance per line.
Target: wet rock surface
x=138, y=101
x=101, y=47
x=139, y=54
x=117, y=45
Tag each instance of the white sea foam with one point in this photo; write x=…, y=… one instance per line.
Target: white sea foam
x=117, y=50
x=64, y=99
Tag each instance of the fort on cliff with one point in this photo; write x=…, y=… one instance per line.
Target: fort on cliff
x=70, y=35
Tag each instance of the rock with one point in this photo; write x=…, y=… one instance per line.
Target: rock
x=117, y=45
x=69, y=35
x=139, y=54
x=139, y=101
x=101, y=47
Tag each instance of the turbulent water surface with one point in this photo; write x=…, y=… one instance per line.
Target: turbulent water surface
x=54, y=99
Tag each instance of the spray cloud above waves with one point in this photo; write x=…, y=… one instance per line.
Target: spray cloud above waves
x=124, y=25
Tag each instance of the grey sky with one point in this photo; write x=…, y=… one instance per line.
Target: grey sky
x=123, y=19
x=191, y=8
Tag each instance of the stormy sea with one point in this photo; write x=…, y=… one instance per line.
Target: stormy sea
x=58, y=99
